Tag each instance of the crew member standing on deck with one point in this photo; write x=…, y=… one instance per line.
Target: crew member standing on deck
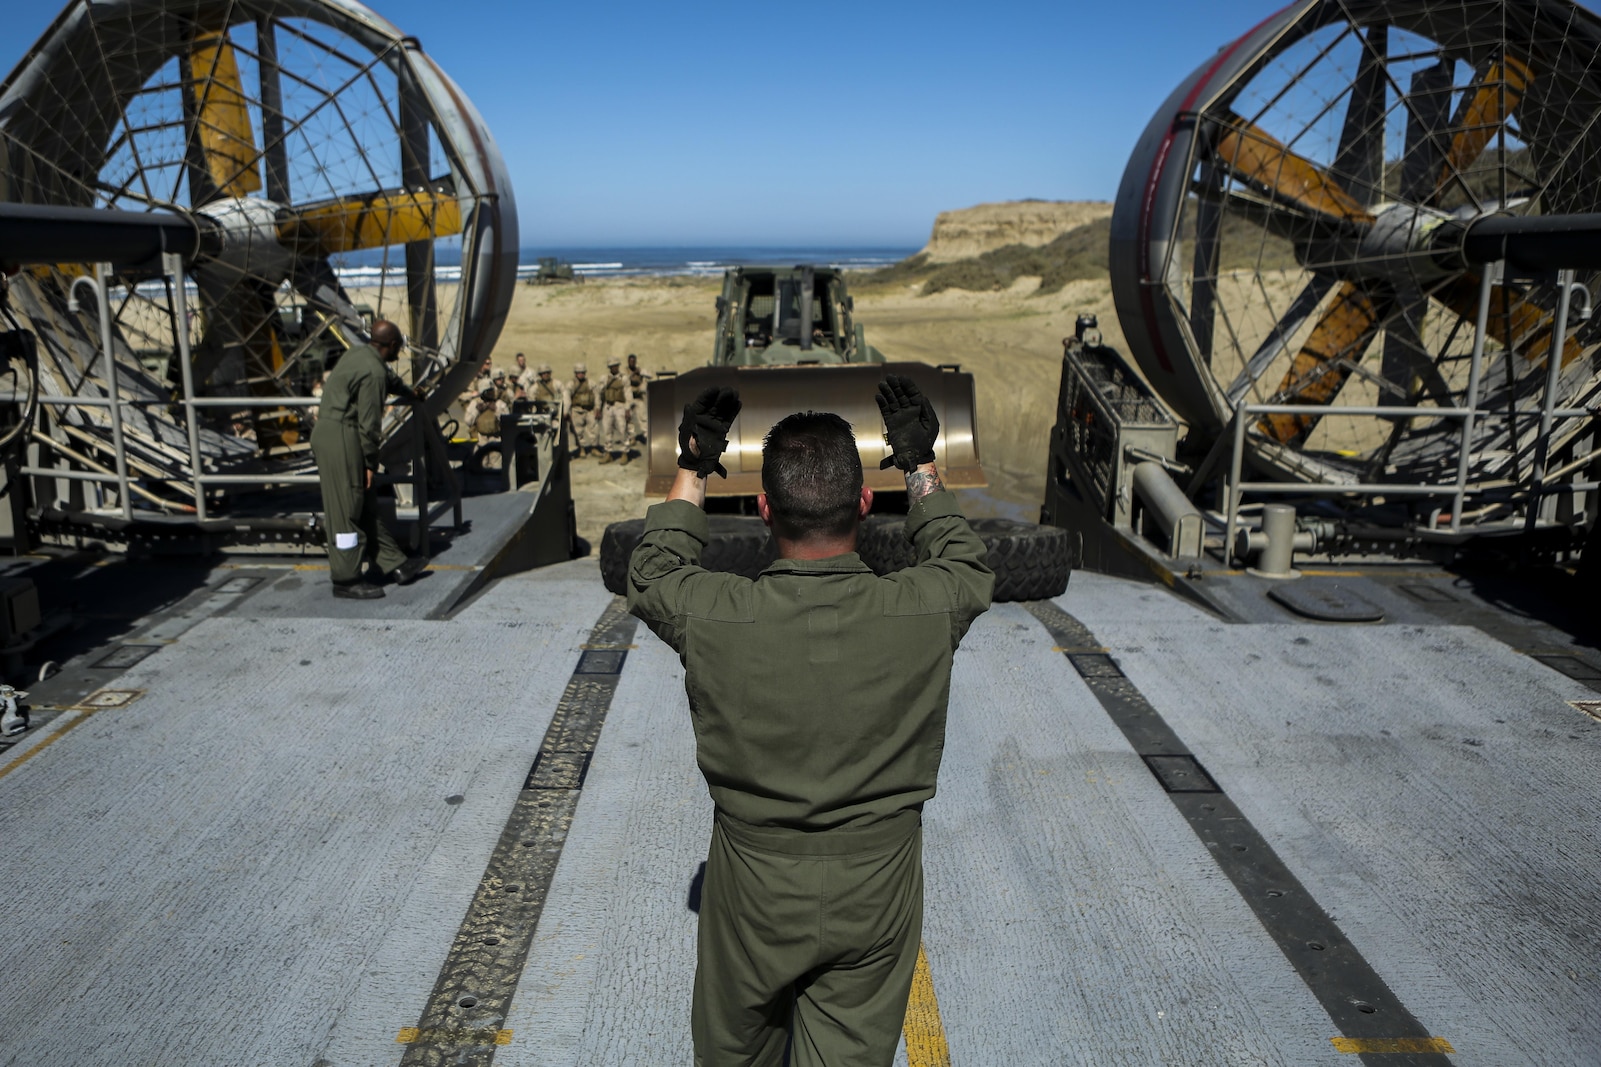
x=583, y=402
x=818, y=695
x=614, y=413
x=345, y=443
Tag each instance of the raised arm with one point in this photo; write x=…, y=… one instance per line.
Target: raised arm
x=951, y=569
x=666, y=566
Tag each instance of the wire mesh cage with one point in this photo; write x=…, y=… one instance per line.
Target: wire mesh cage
x=1291, y=232
x=331, y=174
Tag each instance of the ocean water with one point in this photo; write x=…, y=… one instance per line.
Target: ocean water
x=372, y=266
x=708, y=260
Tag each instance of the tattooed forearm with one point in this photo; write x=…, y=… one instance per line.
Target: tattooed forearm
x=921, y=482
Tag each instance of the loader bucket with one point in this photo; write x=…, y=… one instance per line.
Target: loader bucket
x=848, y=390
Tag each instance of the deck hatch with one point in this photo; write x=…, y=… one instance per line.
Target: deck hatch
x=601, y=661
x=1181, y=774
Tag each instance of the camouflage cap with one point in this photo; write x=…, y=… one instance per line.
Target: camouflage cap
x=543, y=368
x=579, y=368
x=499, y=373
x=615, y=361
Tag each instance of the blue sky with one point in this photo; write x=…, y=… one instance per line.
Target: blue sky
x=713, y=122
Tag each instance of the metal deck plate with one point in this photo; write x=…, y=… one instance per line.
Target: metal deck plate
x=1326, y=600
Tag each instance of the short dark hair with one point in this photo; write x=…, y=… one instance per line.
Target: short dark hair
x=812, y=475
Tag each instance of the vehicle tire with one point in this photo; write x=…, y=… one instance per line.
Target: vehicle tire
x=1030, y=561
x=738, y=545
x=882, y=544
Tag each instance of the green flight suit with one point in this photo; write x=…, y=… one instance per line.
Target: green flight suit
x=818, y=695
x=345, y=442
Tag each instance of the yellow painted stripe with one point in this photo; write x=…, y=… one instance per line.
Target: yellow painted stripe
x=1391, y=1044
x=18, y=761
x=925, y=1034
x=324, y=566
x=1078, y=651
x=1591, y=708
x=411, y=1035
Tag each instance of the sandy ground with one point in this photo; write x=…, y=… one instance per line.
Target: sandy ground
x=1011, y=341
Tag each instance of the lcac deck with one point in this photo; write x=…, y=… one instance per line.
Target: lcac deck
x=372, y=841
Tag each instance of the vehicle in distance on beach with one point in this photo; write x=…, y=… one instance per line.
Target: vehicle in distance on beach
x=787, y=341
x=553, y=272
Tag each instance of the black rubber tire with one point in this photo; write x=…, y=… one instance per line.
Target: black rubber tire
x=1030, y=561
x=739, y=545
x=882, y=544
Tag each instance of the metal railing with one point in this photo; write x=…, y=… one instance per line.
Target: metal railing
x=427, y=447
x=1468, y=411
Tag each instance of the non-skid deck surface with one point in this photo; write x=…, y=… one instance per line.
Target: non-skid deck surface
x=259, y=861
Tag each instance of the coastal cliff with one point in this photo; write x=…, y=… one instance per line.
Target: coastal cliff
x=976, y=230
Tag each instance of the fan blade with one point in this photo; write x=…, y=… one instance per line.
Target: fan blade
x=274, y=151
x=240, y=353
x=371, y=220
x=1315, y=377
x=222, y=117
x=1277, y=339
x=1360, y=160
x=1406, y=363
x=1203, y=289
x=314, y=279
x=422, y=297
x=1255, y=157
x=1483, y=113
x=1428, y=106
x=1523, y=325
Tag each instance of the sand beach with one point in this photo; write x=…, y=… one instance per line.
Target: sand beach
x=1009, y=338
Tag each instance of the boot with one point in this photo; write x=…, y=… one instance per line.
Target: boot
x=628, y=458
x=408, y=571
x=608, y=458
x=357, y=591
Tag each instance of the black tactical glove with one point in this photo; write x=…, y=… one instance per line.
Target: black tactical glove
x=910, y=425
x=707, y=419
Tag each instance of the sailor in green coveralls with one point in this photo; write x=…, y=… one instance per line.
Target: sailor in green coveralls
x=345, y=442
x=818, y=695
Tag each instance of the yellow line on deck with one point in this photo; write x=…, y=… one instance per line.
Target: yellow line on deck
x=1391, y=1044
x=411, y=1035
x=14, y=763
x=925, y=1034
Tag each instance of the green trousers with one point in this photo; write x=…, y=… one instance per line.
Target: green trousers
x=807, y=945
x=350, y=516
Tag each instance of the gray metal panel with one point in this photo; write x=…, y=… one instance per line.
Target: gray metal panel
x=248, y=859
x=610, y=971
x=1072, y=916
x=1420, y=781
